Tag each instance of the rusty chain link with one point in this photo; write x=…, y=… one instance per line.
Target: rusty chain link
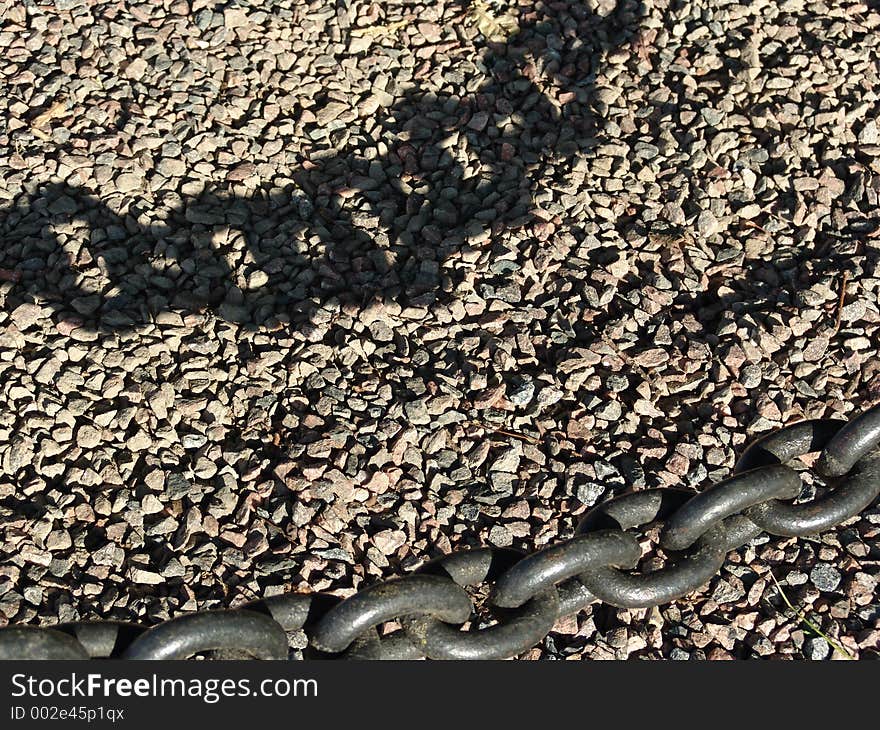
x=436, y=614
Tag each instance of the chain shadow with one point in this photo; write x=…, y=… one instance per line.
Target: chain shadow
x=404, y=228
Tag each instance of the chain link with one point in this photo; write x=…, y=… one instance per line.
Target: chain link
x=527, y=594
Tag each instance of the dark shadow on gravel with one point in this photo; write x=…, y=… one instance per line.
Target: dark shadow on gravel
x=407, y=226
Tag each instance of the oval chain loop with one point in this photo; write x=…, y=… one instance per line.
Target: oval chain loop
x=725, y=499
x=36, y=642
x=788, y=443
x=393, y=599
x=238, y=630
x=520, y=631
x=673, y=581
x=856, y=490
x=516, y=631
x=860, y=488
x=545, y=569
x=851, y=444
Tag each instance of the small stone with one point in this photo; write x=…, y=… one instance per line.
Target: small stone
x=549, y=396
x=30, y=554
x=861, y=588
x=258, y=279
x=177, y=486
x=235, y=17
x=488, y=397
x=150, y=505
x=146, y=577
x=816, y=648
x=417, y=413
x=611, y=411
x=713, y=117
x=522, y=395
x=507, y=462
x=589, y=493
x=141, y=441
x=652, y=358
x=241, y=172
x=205, y=468
x=430, y=31
x=500, y=536
x=136, y=69
x=58, y=540
x=726, y=592
x=33, y=595
x=171, y=167
x=750, y=376
x=19, y=454
x=707, y=224
x=129, y=182
x=815, y=349
x=679, y=465
x=88, y=437
x=330, y=111
x=479, y=121
x=825, y=577
x=388, y=541
x=63, y=204
x=194, y=440
x=870, y=133
x=26, y=315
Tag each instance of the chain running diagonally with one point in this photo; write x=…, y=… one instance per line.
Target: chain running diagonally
x=435, y=612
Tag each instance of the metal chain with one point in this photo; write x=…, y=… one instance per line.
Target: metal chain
x=437, y=617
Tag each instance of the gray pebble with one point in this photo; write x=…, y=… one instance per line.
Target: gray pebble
x=816, y=648
x=825, y=577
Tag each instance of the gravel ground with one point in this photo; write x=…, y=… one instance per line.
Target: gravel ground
x=294, y=295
